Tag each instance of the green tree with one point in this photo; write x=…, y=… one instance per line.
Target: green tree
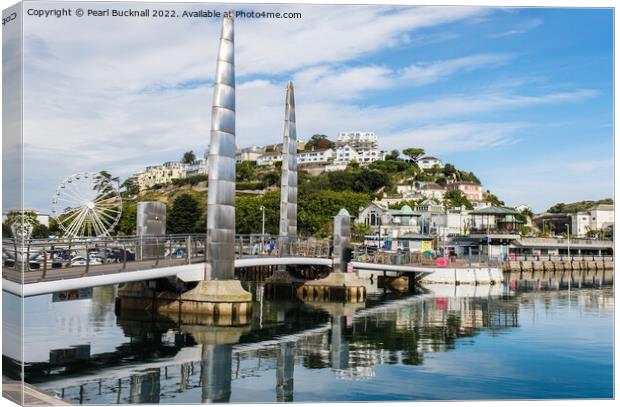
x=359, y=231
x=271, y=178
x=353, y=164
x=130, y=187
x=317, y=208
x=449, y=170
x=392, y=156
x=6, y=231
x=246, y=170
x=127, y=223
x=40, y=231
x=414, y=153
x=184, y=215
x=492, y=199
x=188, y=157
x=319, y=142
x=456, y=198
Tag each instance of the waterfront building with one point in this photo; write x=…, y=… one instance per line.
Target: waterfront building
x=429, y=162
x=391, y=226
x=472, y=191
x=438, y=221
x=596, y=219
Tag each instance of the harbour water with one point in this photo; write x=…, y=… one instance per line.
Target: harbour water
x=441, y=343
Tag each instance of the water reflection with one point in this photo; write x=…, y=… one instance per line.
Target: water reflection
x=292, y=351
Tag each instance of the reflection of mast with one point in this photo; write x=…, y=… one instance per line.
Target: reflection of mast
x=339, y=345
x=284, y=372
x=216, y=373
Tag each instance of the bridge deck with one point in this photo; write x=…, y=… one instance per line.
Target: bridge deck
x=54, y=274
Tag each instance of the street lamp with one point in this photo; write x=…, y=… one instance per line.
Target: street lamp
x=262, y=209
x=568, y=237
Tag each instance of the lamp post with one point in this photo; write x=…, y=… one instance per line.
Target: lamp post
x=568, y=239
x=262, y=237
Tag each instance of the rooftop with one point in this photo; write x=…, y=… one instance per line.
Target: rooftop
x=494, y=210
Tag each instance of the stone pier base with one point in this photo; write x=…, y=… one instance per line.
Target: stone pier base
x=346, y=287
x=218, y=302
x=282, y=285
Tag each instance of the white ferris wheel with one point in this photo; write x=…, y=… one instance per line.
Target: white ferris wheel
x=87, y=204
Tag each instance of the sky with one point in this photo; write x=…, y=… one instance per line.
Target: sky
x=520, y=96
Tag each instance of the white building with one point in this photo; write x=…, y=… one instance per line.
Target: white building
x=362, y=147
x=597, y=218
x=432, y=190
x=160, y=174
x=428, y=162
x=316, y=157
x=198, y=167
x=268, y=159
x=438, y=221
x=251, y=153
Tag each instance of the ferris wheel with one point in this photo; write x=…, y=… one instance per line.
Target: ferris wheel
x=87, y=204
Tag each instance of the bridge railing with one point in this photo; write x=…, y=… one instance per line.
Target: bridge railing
x=362, y=253
x=124, y=253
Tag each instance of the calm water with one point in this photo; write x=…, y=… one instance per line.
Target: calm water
x=452, y=343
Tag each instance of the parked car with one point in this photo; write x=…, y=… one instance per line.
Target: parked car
x=81, y=261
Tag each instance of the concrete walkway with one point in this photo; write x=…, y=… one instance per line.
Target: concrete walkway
x=27, y=395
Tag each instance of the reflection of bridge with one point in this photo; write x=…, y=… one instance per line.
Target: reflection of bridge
x=49, y=266
x=333, y=344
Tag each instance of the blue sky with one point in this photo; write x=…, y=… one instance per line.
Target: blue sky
x=522, y=97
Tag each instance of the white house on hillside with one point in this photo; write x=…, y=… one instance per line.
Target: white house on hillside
x=428, y=162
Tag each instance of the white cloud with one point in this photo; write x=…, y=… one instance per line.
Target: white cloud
x=455, y=137
x=423, y=74
x=141, y=93
x=521, y=28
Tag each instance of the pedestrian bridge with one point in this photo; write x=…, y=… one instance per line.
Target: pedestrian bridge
x=44, y=267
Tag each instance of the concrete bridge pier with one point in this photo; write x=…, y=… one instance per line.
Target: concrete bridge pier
x=340, y=285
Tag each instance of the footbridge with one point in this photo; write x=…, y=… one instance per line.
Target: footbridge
x=43, y=267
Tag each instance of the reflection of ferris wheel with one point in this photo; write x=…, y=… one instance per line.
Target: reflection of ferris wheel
x=87, y=204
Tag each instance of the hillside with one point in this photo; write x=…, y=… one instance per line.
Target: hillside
x=320, y=196
x=579, y=206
